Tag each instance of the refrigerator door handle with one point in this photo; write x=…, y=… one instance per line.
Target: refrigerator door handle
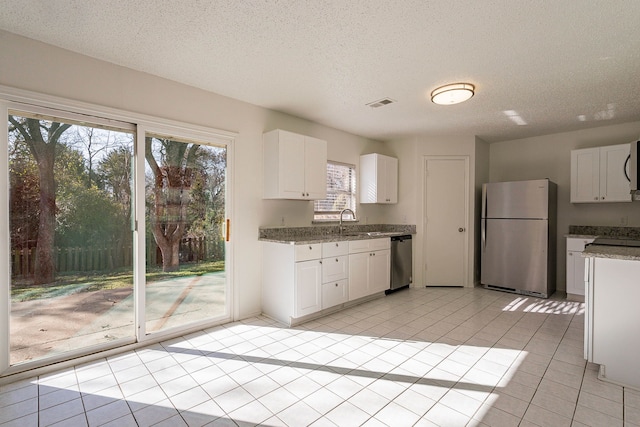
x=484, y=217
x=484, y=200
x=484, y=234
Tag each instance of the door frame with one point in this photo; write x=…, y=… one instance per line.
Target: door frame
x=469, y=230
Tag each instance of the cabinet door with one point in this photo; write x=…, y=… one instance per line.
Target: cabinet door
x=575, y=273
x=358, y=275
x=368, y=179
x=292, y=170
x=391, y=180
x=585, y=175
x=614, y=185
x=308, y=288
x=315, y=164
x=378, y=179
x=379, y=271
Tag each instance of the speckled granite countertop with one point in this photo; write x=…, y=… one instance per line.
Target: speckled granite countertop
x=580, y=236
x=590, y=231
x=602, y=251
x=613, y=252
x=330, y=233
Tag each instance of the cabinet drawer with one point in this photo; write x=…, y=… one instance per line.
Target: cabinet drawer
x=331, y=249
x=335, y=268
x=379, y=244
x=356, y=246
x=334, y=293
x=307, y=252
x=369, y=245
x=577, y=244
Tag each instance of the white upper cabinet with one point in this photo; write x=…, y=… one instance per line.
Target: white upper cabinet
x=614, y=185
x=378, y=179
x=295, y=166
x=598, y=174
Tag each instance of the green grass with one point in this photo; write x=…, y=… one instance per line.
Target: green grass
x=71, y=283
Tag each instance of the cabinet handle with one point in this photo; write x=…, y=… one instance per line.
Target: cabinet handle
x=570, y=253
x=602, y=197
x=336, y=285
x=310, y=248
x=337, y=245
x=320, y=261
x=595, y=198
x=336, y=259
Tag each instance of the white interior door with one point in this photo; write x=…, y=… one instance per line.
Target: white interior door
x=446, y=220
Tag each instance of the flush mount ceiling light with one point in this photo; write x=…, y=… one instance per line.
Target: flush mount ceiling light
x=452, y=93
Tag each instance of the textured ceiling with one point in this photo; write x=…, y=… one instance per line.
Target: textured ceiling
x=559, y=65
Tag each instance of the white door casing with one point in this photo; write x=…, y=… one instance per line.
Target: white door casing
x=446, y=220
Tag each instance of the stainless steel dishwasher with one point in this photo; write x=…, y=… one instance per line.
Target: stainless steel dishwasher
x=401, y=263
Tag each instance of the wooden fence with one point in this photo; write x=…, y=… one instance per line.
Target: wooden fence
x=109, y=258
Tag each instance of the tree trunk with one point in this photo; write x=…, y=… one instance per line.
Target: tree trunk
x=45, y=263
x=172, y=186
x=169, y=244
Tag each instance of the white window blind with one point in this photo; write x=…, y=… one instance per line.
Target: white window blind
x=341, y=192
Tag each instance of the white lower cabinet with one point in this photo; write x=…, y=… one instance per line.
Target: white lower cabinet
x=291, y=280
x=300, y=280
x=575, y=266
x=369, y=267
x=308, y=288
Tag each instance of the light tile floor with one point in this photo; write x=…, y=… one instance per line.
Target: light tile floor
x=424, y=357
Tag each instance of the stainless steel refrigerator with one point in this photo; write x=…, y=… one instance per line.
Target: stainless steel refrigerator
x=518, y=237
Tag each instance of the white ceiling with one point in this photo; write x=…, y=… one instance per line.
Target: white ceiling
x=560, y=65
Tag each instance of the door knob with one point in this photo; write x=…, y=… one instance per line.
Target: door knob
x=460, y=229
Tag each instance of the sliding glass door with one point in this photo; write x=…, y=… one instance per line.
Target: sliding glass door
x=71, y=241
x=185, y=191
x=114, y=234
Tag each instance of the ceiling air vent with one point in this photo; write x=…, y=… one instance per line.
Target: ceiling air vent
x=381, y=102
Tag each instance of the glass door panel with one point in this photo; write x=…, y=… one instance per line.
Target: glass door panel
x=71, y=252
x=185, y=245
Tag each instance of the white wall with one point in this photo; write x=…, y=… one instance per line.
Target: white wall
x=411, y=156
x=45, y=69
x=550, y=157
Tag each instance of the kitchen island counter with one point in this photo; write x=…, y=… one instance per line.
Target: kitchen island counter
x=612, y=252
x=612, y=318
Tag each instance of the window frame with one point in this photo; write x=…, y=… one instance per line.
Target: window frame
x=333, y=216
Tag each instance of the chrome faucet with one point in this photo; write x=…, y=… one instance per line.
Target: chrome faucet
x=353, y=214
